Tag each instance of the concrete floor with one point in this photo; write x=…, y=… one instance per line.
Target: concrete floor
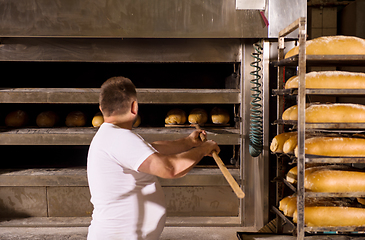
x=62, y=228
x=80, y=233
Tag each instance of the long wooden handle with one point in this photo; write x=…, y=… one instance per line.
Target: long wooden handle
x=232, y=182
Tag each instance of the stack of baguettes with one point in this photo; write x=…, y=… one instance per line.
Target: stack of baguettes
x=322, y=212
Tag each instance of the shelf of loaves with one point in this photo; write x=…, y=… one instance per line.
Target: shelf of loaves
x=323, y=60
x=145, y=95
x=84, y=135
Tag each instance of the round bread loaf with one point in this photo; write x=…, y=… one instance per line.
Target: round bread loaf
x=76, y=119
x=332, y=45
x=137, y=122
x=319, y=216
x=198, y=116
x=219, y=115
x=329, y=113
x=334, y=146
x=175, y=116
x=47, y=119
x=337, y=181
x=330, y=80
x=279, y=140
x=98, y=119
x=17, y=118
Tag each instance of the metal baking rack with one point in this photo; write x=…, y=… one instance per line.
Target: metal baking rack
x=302, y=61
x=337, y=92
x=323, y=60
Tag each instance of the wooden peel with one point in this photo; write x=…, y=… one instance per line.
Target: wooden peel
x=232, y=182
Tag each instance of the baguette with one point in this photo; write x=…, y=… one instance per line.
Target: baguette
x=329, y=113
x=284, y=202
x=278, y=141
x=329, y=216
x=291, y=113
x=291, y=143
x=334, y=146
x=338, y=181
x=332, y=45
x=291, y=205
x=292, y=174
x=330, y=80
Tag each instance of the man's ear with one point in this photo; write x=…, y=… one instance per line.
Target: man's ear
x=100, y=109
x=134, y=108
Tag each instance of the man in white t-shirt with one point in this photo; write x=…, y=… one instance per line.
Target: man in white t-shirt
x=129, y=203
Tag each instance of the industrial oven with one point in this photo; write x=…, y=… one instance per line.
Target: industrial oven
x=185, y=54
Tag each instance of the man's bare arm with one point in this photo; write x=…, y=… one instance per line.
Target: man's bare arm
x=177, y=165
x=180, y=145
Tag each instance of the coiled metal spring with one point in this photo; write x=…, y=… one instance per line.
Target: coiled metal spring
x=256, y=126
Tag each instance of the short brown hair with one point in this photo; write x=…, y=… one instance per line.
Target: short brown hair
x=116, y=95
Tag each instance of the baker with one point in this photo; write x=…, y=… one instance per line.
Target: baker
x=122, y=168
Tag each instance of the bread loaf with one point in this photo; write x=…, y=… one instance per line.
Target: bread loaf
x=17, y=118
x=292, y=174
x=219, y=116
x=330, y=80
x=279, y=140
x=319, y=216
x=291, y=113
x=98, y=119
x=198, y=116
x=76, y=119
x=334, y=146
x=332, y=45
x=288, y=205
x=284, y=202
x=47, y=119
x=329, y=113
x=311, y=202
x=338, y=181
x=175, y=116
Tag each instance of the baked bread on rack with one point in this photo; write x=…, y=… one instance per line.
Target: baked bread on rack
x=175, y=116
x=329, y=80
x=332, y=45
x=328, y=113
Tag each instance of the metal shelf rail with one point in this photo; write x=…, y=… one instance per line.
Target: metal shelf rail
x=300, y=24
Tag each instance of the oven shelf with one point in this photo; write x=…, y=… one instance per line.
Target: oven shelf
x=145, y=95
x=84, y=135
x=337, y=160
x=337, y=126
x=349, y=229
x=324, y=60
x=312, y=91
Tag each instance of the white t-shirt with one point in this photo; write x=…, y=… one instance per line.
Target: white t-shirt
x=128, y=205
